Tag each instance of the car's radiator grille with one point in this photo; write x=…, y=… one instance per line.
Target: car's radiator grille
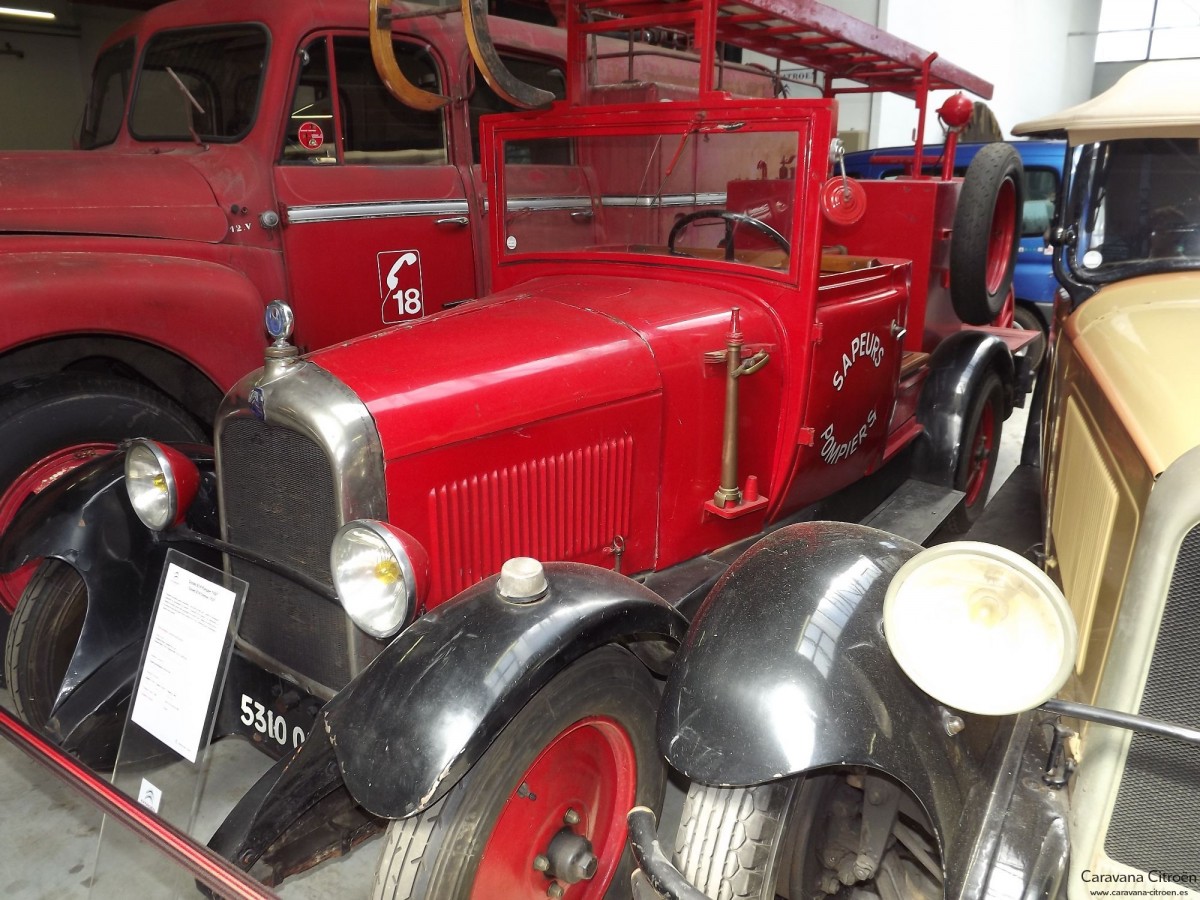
x=278, y=500
x=1156, y=821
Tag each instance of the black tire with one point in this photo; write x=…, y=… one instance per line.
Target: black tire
x=436, y=855
x=1028, y=320
x=977, y=453
x=746, y=843
x=47, y=414
x=729, y=842
x=987, y=230
x=41, y=639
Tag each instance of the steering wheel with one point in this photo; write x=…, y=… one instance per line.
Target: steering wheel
x=731, y=219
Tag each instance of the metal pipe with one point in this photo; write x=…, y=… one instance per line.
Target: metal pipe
x=1116, y=719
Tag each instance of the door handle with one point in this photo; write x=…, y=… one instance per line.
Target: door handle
x=453, y=220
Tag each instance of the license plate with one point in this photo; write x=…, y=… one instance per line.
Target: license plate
x=275, y=715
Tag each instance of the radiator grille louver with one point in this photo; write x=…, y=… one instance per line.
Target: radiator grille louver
x=1156, y=820
x=555, y=508
x=277, y=499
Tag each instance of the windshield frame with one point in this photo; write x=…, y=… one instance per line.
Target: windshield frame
x=809, y=121
x=115, y=61
x=1084, y=192
x=247, y=121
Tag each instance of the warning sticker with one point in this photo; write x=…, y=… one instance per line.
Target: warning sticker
x=400, y=286
x=311, y=136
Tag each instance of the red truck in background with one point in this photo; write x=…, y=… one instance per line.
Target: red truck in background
x=239, y=152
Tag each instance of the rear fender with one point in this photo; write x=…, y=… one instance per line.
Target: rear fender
x=785, y=670
x=85, y=520
x=415, y=721
x=958, y=367
x=205, y=313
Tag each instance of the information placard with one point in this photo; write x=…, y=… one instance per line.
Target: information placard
x=184, y=652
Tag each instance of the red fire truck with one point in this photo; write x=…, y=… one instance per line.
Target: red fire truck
x=699, y=330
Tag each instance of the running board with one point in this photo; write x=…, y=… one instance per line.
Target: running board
x=915, y=510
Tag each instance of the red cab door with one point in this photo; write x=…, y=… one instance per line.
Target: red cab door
x=377, y=226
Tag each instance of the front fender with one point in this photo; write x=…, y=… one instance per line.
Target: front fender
x=959, y=365
x=85, y=520
x=786, y=670
x=204, y=312
x=412, y=724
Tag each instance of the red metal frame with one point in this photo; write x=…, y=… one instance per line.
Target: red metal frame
x=216, y=873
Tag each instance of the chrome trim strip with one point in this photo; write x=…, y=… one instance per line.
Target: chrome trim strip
x=300, y=215
x=707, y=198
x=625, y=201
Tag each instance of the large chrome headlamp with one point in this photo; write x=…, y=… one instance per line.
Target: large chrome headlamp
x=379, y=573
x=161, y=483
x=979, y=629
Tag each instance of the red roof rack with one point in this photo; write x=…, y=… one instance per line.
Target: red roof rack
x=800, y=33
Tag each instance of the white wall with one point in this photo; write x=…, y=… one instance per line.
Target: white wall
x=1038, y=54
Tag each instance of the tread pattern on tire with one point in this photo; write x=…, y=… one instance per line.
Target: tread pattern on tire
x=404, y=848
x=52, y=578
x=970, y=242
x=728, y=838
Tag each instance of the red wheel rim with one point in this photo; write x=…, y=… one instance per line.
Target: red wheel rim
x=33, y=481
x=591, y=769
x=1000, y=241
x=981, y=454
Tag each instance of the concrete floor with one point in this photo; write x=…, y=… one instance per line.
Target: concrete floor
x=51, y=837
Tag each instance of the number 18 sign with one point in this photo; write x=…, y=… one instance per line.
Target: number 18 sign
x=400, y=288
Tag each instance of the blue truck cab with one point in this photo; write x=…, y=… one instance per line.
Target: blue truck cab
x=1034, y=285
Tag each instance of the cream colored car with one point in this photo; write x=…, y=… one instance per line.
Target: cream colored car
x=1121, y=459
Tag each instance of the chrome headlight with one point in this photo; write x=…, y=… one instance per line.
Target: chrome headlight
x=979, y=628
x=378, y=572
x=161, y=483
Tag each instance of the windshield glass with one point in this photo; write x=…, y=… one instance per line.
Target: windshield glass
x=199, y=84
x=704, y=193
x=106, y=102
x=1136, y=208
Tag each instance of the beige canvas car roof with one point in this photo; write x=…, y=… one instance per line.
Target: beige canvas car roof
x=1158, y=99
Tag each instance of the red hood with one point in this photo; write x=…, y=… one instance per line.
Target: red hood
x=78, y=192
x=501, y=363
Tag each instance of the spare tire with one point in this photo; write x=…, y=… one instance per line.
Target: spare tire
x=983, y=248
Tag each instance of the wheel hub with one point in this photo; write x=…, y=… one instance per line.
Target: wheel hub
x=570, y=857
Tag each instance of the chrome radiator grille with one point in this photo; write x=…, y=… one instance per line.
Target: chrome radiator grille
x=1156, y=820
x=277, y=499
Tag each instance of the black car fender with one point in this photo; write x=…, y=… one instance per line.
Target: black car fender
x=786, y=670
x=85, y=519
x=957, y=367
x=422, y=713
x=411, y=724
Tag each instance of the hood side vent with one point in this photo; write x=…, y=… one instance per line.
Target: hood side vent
x=564, y=507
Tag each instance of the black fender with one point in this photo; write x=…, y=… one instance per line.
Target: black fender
x=422, y=713
x=85, y=519
x=958, y=366
x=411, y=724
x=785, y=670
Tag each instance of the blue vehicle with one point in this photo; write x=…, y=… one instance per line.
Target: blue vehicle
x=1034, y=285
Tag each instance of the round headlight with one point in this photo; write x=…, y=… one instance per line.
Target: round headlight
x=161, y=483
x=377, y=572
x=979, y=629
